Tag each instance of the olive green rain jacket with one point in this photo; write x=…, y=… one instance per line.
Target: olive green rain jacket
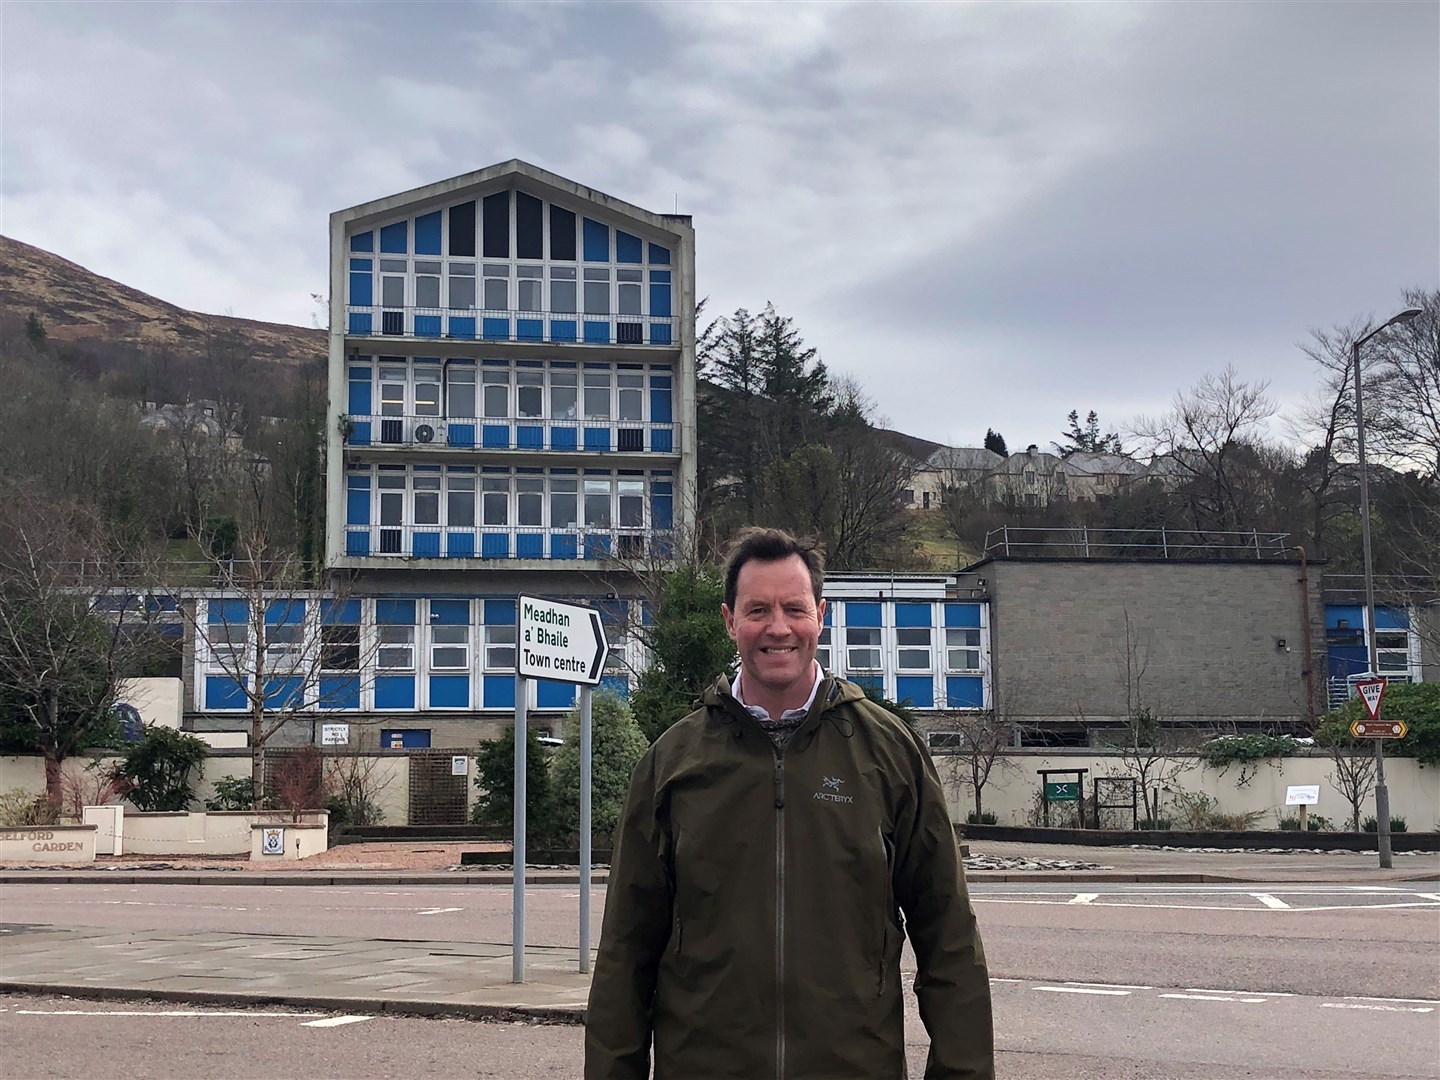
x=753, y=919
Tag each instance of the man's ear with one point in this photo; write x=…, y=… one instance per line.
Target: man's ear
x=729, y=617
x=820, y=612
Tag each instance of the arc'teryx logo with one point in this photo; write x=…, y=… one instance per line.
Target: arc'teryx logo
x=831, y=792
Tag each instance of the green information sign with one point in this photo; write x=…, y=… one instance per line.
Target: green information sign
x=1058, y=791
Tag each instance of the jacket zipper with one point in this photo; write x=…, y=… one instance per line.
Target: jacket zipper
x=779, y=913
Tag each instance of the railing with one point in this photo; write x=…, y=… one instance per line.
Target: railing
x=1394, y=590
x=512, y=433
x=506, y=542
x=1085, y=543
x=542, y=327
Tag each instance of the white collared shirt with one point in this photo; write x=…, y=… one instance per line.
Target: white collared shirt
x=789, y=714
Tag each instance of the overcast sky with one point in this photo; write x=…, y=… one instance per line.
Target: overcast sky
x=989, y=214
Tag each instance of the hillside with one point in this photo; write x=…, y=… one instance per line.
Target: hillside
x=78, y=306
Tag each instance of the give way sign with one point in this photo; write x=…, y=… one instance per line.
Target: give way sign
x=1371, y=691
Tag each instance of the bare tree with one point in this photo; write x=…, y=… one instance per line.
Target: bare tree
x=1212, y=439
x=1406, y=421
x=1353, y=772
x=283, y=649
x=61, y=661
x=975, y=749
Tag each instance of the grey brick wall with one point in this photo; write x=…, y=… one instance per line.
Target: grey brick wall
x=1199, y=638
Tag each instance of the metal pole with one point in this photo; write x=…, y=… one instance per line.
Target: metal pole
x=517, y=947
x=585, y=853
x=1382, y=793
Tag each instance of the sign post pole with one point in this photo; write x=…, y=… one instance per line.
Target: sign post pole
x=1372, y=692
x=517, y=949
x=586, y=746
x=566, y=643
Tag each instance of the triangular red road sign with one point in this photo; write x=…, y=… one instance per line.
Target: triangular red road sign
x=1371, y=692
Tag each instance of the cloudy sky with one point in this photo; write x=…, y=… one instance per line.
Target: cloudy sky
x=988, y=213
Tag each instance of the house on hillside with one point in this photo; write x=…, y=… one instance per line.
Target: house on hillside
x=1089, y=477
x=1031, y=478
x=949, y=467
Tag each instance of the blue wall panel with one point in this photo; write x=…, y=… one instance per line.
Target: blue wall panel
x=427, y=325
x=339, y=691
x=660, y=255
x=450, y=612
x=359, y=398
x=284, y=693
x=562, y=329
x=462, y=326
x=562, y=546
x=597, y=439
x=427, y=234
x=363, y=241
x=858, y=614
x=965, y=691
x=362, y=293
x=395, y=692
x=357, y=543
x=449, y=691
x=659, y=299
x=597, y=241
x=459, y=545
x=460, y=434
x=500, y=612
x=499, y=691
x=660, y=334
x=912, y=614
x=359, y=322
x=562, y=438
x=919, y=690
x=550, y=694
x=223, y=692
x=425, y=545
x=597, y=333
x=628, y=249
x=495, y=546
x=227, y=611
x=962, y=615
x=495, y=437
x=395, y=239
x=495, y=329
x=395, y=612
x=662, y=441
x=530, y=546
x=529, y=329
x=616, y=684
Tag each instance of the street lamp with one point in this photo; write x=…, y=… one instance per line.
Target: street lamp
x=1382, y=793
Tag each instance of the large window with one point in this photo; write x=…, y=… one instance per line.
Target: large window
x=962, y=649
x=495, y=499
x=427, y=390
x=427, y=284
x=530, y=501
x=564, y=504
x=397, y=648
x=229, y=642
x=283, y=643
x=339, y=647
x=562, y=395
x=497, y=286
x=427, y=498
x=529, y=394
x=1392, y=651
x=500, y=648
x=597, y=504
x=597, y=395
x=461, y=395
x=630, y=395
x=862, y=648
x=462, y=286
x=460, y=501
x=914, y=648
x=532, y=285
x=449, y=648
x=497, y=392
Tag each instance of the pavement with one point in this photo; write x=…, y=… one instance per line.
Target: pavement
x=472, y=979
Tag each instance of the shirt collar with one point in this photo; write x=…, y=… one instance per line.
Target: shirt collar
x=817, y=675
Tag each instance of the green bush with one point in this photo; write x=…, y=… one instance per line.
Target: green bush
x=1397, y=824
x=158, y=769
x=986, y=818
x=1314, y=823
x=616, y=744
x=232, y=793
x=1163, y=824
x=1247, y=751
x=21, y=808
x=495, y=777
x=1417, y=704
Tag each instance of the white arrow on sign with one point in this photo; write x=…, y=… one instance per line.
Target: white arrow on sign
x=1371, y=692
x=557, y=641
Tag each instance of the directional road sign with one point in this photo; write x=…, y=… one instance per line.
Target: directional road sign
x=1378, y=729
x=564, y=642
x=1372, y=692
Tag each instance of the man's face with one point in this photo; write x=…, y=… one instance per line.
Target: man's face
x=776, y=626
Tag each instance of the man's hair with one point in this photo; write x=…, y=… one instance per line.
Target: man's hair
x=772, y=545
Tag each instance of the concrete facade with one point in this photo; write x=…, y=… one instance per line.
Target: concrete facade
x=1086, y=642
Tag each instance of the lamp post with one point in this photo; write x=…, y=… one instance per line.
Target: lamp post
x=1382, y=793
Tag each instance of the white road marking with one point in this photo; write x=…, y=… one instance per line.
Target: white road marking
x=1082, y=990
x=1270, y=901
x=437, y=911
x=1083, y=898
x=189, y=1013
x=336, y=1021
x=1113, y=986
x=1399, y=1001
x=1216, y=997
x=1373, y=1008
x=1428, y=895
x=1212, y=990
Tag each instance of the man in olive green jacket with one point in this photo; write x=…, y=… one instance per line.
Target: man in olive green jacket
x=771, y=842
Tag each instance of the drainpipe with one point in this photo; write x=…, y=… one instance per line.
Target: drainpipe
x=1309, y=671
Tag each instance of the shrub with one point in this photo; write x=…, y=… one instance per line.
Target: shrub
x=616, y=744
x=495, y=777
x=1247, y=751
x=232, y=793
x=1163, y=824
x=1199, y=812
x=1397, y=824
x=1314, y=823
x=986, y=818
x=158, y=768
x=1417, y=704
x=22, y=808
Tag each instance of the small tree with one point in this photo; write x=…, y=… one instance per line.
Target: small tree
x=688, y=646
x=157, y=769
x=495, y=778
x=976, y=751
x=995, y=443
x=297, y=781
x=1088, y=439
x=356, y=784
x=617, y=743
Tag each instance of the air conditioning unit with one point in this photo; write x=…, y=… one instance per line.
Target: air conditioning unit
x=427, y=431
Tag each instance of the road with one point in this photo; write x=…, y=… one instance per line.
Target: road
x=1114, y=981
